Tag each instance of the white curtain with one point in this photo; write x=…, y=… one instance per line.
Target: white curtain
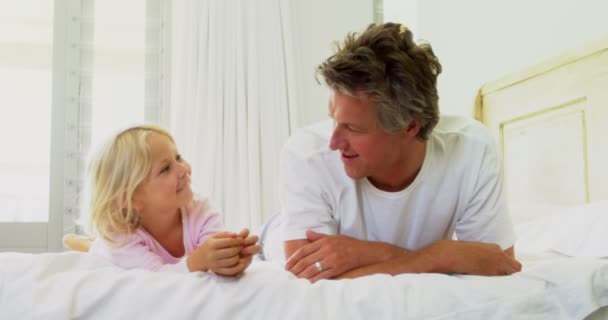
x=104, y=82
x=233, y=101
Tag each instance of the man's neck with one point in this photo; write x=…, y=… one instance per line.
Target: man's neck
x=404, y=171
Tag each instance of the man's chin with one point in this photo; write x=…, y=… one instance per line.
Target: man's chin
x=354, y=174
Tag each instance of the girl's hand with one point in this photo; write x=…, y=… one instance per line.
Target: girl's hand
x=219, y=253
x=248, y=249
x=249, y=243
x=244, y=262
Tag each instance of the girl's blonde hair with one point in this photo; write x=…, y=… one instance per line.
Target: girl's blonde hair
x=116, y=171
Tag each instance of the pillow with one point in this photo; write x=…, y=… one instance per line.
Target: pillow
x=271, y=240
x=580, y=231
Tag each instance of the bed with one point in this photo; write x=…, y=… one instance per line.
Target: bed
x=549, y=122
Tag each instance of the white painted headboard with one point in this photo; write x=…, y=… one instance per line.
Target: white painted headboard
x=551, y=121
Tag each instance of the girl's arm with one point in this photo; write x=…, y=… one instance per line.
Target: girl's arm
x=135, y=254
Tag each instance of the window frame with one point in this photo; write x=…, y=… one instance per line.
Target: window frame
x=70, y=120
x=47, y=236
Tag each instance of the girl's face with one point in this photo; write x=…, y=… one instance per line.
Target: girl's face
x=167, y=186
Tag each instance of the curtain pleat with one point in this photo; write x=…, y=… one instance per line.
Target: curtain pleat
x=232, y=101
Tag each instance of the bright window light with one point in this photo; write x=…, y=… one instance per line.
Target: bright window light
x=26, y=46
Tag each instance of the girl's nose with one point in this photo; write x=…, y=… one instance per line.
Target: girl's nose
x=185, y=168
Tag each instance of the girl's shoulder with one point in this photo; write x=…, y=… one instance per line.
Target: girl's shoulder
x=199, y=209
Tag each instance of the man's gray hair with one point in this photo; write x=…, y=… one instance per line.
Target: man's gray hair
x=384, y=63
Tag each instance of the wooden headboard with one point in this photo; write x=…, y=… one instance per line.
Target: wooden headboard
x=551, y=121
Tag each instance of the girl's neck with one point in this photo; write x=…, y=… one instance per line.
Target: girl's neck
x=168, y=232
x=162, y=223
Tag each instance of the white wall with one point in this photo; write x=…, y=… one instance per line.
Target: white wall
x=403, y=11
x=318, y=24
x=480, y=40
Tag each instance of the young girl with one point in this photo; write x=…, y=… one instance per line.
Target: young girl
x=145, y=213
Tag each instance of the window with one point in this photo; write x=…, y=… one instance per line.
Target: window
x=71, y=73
x=26, y=36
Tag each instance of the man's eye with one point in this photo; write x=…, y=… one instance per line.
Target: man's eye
x=355, y=129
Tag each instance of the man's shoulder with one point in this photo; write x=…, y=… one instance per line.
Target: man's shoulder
x=306, y=154
x=460, y=124
x=310, y=141
x=463, y=142
x=467, y=131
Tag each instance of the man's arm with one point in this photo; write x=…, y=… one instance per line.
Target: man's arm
x=335, y=253
x=447, y=256
x=345, y=257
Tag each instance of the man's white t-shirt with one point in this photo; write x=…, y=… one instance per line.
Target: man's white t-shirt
x=459, y=190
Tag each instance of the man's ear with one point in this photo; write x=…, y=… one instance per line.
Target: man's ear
x=413, y=128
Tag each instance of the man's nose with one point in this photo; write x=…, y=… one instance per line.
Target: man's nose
x=336, y=141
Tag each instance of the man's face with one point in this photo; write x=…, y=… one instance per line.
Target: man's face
x=365, y=148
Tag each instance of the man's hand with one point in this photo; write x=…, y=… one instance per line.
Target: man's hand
x=334, y=253
x=328, y=256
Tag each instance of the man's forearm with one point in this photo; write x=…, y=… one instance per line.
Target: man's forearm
x=376, y=252
x=421, y=261
x=446, y=257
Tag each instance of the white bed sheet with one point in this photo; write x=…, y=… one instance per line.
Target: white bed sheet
x=77, y=285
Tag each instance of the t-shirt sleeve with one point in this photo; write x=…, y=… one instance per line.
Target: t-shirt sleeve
x=206, y=221
x=303, y=194
x=135, y=254
x=486, y=217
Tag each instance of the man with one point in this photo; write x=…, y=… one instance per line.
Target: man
x=391, y=191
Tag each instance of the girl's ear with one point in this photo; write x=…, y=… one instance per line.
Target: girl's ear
x=135, y=202
x=136, y=205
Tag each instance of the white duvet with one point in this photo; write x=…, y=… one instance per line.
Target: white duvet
x=76, y=285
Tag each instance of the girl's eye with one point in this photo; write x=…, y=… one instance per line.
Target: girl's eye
x=165, y=169
x=178, y=157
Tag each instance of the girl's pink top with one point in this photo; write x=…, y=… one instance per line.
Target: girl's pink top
x=144, y=252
